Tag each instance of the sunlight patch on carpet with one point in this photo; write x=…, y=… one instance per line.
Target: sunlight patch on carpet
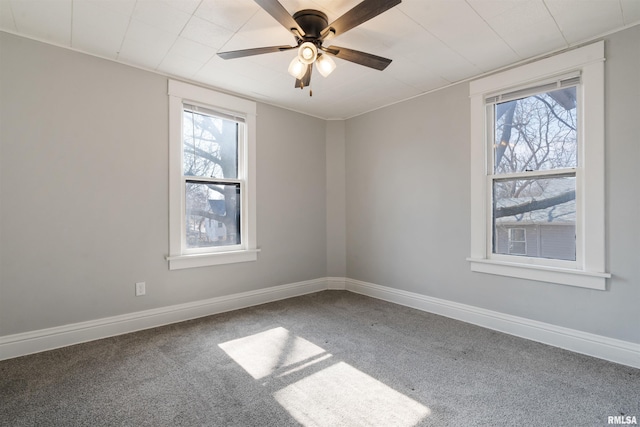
x=264, y=353
x=342, y=395
x=336, y=395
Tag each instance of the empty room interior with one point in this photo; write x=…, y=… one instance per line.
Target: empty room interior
x=319, y=213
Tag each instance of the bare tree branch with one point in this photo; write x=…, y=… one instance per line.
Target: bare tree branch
x=207, y=214
x=554, y=113
x=535, y=205
x=201, y=153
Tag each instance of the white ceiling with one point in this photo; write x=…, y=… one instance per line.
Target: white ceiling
x=432, y=43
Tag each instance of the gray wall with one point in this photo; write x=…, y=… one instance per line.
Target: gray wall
x=336, y=200
x=408, y=207
x=84, y=193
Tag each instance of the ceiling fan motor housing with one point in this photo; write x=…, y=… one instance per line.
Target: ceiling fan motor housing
x=312, y=22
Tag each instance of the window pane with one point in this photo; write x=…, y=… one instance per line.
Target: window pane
x=536, y=133
x=517, y=234
x=212, y=214
x=544, y=209
x=210, y=146
x=518, y=248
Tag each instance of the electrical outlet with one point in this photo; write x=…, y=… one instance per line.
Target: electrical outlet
x=140, y=289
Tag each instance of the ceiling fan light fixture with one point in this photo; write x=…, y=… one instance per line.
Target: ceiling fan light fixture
x=297, y=68
x=307, y=53
x=325, y=65
x=311, y=29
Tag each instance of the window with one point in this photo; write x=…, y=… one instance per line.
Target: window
x=212, y=178
x=517, y=241
x=537, y=172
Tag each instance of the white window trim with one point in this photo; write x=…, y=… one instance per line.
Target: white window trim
x=589, y=270
x=180, y=93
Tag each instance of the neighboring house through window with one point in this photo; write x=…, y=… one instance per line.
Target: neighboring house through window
x=212, y=177
x=538, y=170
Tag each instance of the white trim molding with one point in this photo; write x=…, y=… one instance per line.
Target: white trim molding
x=613, y=350
x=336, y=283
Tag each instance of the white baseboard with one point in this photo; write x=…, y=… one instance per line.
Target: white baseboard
x=51, y=338
x=614, y=350
x=336, y=283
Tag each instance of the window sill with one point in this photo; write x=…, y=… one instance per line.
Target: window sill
x=563, y=276
x=179, y=262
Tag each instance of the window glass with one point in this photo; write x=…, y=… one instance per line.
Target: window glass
x=212, y=214
x=538, y=132
x=210, y=145
x=210, y=161
x=535, y=135
x=546, y=207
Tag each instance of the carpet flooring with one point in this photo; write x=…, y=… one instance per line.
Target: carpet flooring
x=332, y=358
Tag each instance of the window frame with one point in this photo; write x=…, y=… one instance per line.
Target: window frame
x=180, y=256
x=588, y=270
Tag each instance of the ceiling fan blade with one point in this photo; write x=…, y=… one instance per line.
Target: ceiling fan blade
x=362, y=12
x=275, y=9
x=362, y=58
x=306, y=79
x=255, y=51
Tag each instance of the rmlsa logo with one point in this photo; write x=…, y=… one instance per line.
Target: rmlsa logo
x=622, y=419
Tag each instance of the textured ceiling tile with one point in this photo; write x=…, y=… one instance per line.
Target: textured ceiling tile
x=526, y=26
x=161, y=15
x=230, y=78
x=192, y=50
x=490, y=8
x=145, y=45
x=98, y=29
x=180, y=66
x=205, y=32
x=186, y=58
x=416, y=75
x=6, y=17
x=229, y=14
x=42, y=19
x=580, y=20
x=187, y=6
x=432, y=54
x=630, y=11
x=122, y=7
x=438, y=15
x=263, y=30
x=456, y=24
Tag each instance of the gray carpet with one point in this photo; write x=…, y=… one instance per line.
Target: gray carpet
x=328, y=359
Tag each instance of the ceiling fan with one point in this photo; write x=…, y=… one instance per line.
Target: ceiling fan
x=311, y=28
